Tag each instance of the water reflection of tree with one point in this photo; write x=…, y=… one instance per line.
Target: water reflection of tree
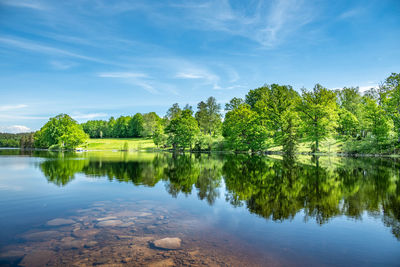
x=60, y=170
x=183, y=171
x=272, y=188
x=280, y=189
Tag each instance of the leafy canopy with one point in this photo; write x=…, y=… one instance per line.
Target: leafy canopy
x=61, y=131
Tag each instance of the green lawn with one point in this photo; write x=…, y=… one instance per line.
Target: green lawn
x=134, y=144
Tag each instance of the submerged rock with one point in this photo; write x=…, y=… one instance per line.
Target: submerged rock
x=163, y=263
x=85, y=233
x=127, y=224
x=110, y=223
x=44, y=235
x=60, y=221
x=70, y=242
x=37, y=258
x=107, y=218
x=168, y=243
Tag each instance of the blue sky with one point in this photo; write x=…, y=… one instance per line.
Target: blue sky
x=102, y=58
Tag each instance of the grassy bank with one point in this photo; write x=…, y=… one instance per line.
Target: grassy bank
x=120, y=144
x=328, y=146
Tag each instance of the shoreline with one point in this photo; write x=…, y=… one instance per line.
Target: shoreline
x=263, y=153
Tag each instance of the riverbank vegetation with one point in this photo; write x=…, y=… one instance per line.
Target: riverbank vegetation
x=269, y=118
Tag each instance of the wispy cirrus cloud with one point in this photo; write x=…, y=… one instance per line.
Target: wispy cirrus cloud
x=24, y=4
x=206, y=76
x=28, y=45
x=12, y=107
x=133, y=78
x=268, y=22
x=122, y=75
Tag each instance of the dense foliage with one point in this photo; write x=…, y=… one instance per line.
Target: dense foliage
x=23, y=140
x=139, y=125
x=60, y=132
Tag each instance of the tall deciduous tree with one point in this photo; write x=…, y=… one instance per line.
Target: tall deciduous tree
x=233, y=103
x=122, y=127
x=253, y=96
x=62, y=131
x=392, y=100
x=242, y=129
x=378, y=124
x=151, y=123
x=136, y=125
x=318, y=110
x=276, y=107
x=350, y=112
x=182, y=130
x=173, y=111
x=208, y=116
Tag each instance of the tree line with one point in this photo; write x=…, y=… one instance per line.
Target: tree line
x=23, y=140
x=267, y=117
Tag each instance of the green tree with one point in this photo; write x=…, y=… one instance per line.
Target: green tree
x=318, y=110
x=136, y=126
x=378, y=124
x=122, y=127
x=349, y=98
x=95, y=128
x=173, y=111
x=350, y=112
x=242, y=129
x=233, y=103
x=202, y=116
x=208, y=116
x=392, y=100
x=253, y=96
x=159, y=137
x=182, y=130
x=348, y=124
x=110, y=128
x=151, y=123
x=276, y=107
x=61, y=131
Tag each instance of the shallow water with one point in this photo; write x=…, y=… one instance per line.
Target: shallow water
x=102, y=208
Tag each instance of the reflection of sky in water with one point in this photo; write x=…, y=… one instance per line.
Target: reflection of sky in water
x=29, y=199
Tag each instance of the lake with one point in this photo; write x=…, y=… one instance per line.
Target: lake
x=104, y=208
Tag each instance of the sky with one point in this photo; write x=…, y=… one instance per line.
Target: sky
x=101, y=58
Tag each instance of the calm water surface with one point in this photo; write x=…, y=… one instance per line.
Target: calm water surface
x=102, y=208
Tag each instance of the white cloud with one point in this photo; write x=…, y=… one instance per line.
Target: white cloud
x=11, y=107
x=184, y=75
x=89, y=116
x=122, y=75
x=15, y=129
x=61, y=65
